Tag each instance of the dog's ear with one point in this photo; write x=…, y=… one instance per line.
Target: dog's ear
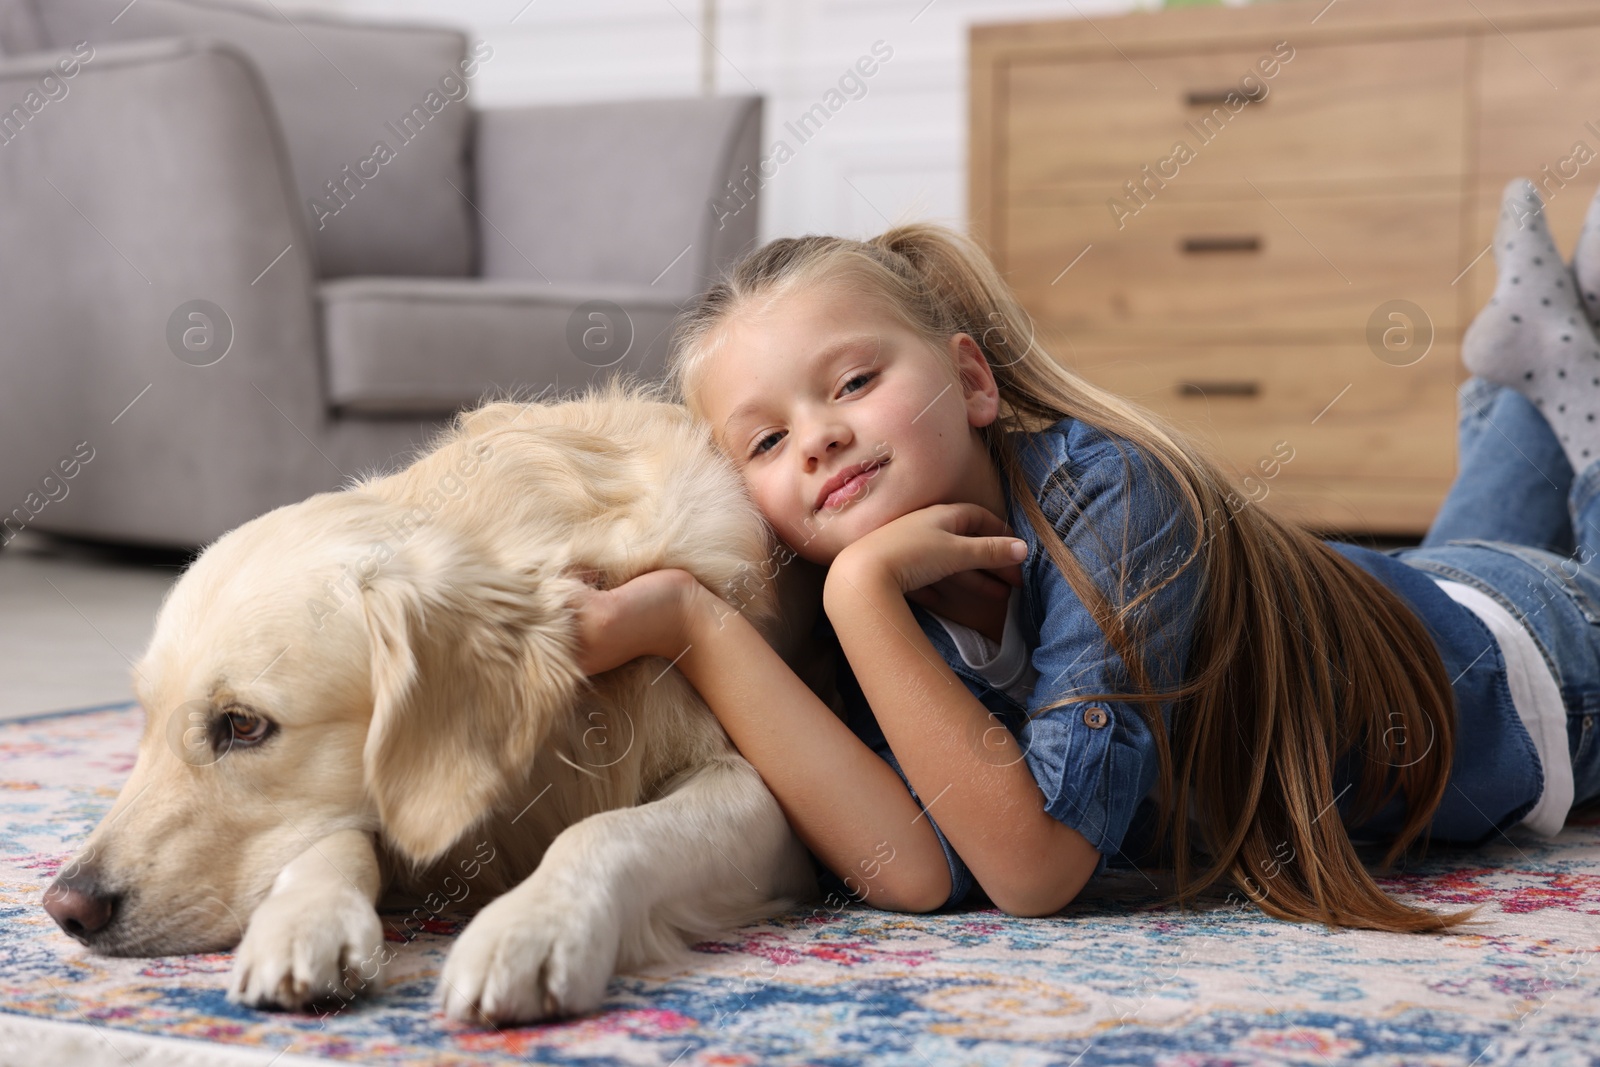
x=471, y=664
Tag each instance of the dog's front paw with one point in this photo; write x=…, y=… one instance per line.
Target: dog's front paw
x=522, y=960
x=303, y=946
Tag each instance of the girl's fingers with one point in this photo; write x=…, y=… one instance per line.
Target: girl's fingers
x=978, y=521
x=990, y=569
x=1006, y=554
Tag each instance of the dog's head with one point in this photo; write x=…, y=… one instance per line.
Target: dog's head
x=322, y=667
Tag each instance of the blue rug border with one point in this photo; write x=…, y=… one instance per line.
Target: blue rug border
x=64, y=712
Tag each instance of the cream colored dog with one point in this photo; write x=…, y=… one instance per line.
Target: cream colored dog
x=375, y=690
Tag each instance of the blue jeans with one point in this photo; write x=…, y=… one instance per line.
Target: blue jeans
x=1520, y=526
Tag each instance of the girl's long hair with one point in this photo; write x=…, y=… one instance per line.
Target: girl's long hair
x=1298, y=657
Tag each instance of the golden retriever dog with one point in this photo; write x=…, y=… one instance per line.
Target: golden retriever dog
x=375, y=691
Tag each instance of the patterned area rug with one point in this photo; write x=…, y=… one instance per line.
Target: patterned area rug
x=1107, y=981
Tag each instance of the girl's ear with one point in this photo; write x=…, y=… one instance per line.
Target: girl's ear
x=977, y=380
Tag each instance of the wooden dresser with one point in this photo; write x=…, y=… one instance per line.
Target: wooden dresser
x=1295, y=279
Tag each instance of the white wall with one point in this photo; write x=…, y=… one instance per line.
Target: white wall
x=898, y=152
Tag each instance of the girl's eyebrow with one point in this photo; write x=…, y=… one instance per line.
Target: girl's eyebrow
x=822, y=362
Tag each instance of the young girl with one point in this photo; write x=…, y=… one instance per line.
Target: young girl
x=1066, y=638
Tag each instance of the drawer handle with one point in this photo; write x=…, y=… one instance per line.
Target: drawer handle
x=1233, y=388
x=1203, y=97
x=1198, y=245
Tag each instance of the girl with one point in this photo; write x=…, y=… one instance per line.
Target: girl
x=1066, y=638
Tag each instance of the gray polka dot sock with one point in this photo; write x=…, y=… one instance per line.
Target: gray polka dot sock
x=1534, y=334
x=1586, y=262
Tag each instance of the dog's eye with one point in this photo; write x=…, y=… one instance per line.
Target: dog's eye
x=238, y=728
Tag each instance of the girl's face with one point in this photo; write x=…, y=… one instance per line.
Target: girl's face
x=820, y=382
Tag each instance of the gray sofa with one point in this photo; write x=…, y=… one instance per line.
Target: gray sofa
x=249, y=255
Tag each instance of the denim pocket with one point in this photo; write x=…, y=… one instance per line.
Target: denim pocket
x=1559, y=571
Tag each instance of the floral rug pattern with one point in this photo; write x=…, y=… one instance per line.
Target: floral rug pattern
x=1107, y=981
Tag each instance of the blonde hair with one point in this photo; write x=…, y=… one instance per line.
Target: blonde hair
x=1265, y=711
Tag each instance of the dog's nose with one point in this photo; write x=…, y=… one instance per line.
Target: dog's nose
x=79, y=907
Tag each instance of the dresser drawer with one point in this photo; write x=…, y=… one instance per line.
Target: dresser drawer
x=1386, y=109
x=1239, y=266
x=1536, y=102
x=1344, y=412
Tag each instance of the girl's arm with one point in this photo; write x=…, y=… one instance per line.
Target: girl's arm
x=964, y=764
x=951, y=749
x=845, y=803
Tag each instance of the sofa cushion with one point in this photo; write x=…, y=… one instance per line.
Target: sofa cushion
x=340, y=88
x=595, y=219
x=20, y=30
x=415, y=347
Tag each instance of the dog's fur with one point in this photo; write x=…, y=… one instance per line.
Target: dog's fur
x=412, y=639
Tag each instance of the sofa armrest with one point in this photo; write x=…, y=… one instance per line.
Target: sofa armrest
x=635, y=191
x=154, y=177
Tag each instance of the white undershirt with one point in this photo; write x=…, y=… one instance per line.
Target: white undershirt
x=1537, y=698
x=1534, y=691
x=1007, y=666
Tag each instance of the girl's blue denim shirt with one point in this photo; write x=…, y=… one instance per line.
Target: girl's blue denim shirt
x=1096, y=762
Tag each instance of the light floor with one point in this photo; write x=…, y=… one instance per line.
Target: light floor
x=73, y=619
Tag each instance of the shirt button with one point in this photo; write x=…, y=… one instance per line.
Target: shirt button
x=1094, y=717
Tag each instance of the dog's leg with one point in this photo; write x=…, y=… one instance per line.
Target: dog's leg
x=626, y=888
x=317, y=933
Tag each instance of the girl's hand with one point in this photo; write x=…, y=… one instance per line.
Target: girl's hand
x=938, y=555
x=645, y=616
